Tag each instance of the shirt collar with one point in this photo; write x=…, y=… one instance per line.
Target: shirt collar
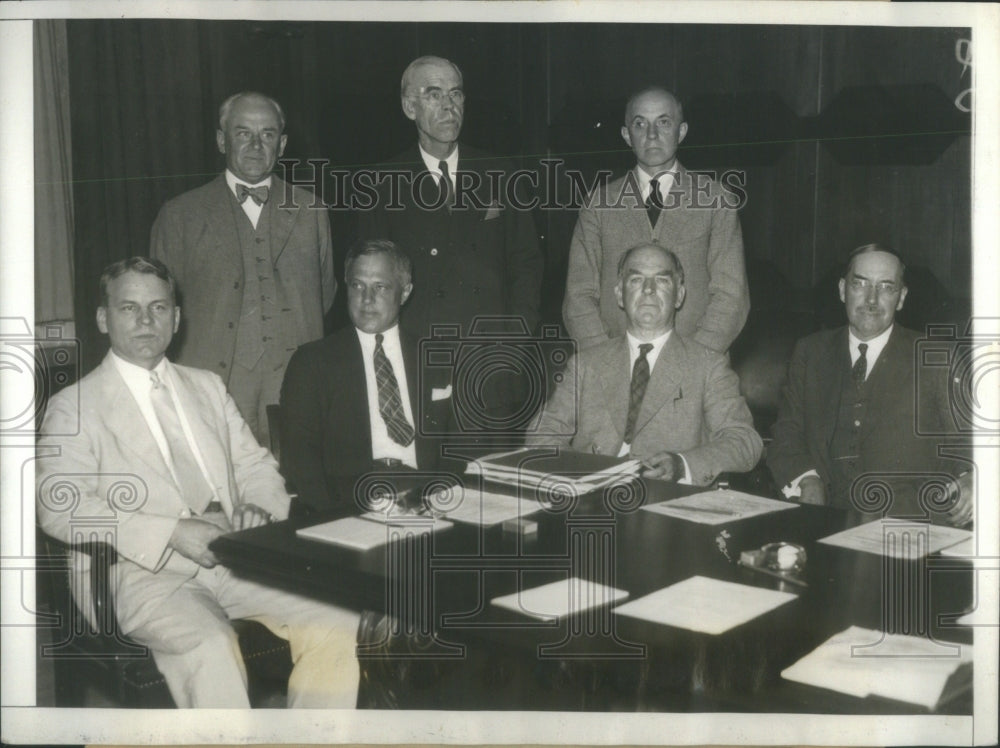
x=232, y=180
x=658, y=343
x=666, y=179
x=135, y=375
x=875, y=345
x=432, y=163
x=390, y=338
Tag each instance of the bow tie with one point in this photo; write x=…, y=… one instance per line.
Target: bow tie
x=257, y=194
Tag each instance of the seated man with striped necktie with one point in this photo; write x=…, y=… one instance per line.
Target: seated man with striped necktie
x=349, y=402
x=171, y=441
x=653, y=393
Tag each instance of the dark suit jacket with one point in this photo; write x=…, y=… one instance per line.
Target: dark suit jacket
x=466, y=262
x=889, y=444
x=692, y=406
x=326, y=442
x=196, y=236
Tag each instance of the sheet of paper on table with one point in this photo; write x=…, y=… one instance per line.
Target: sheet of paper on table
x=485, y=508
x=558, y=599
x=913, y=669
x=365, y=534
x=898, y=538
x=718, y=507
x=699, y=603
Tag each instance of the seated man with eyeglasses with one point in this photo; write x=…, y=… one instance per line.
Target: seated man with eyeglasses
x=847, y=428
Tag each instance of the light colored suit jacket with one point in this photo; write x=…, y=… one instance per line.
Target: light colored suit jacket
x=196, y=236
x=99, y=468
x=692, y=406
x=698, y=224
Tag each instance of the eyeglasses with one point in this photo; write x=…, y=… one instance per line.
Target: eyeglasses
x=436, y=96
x=865, y=285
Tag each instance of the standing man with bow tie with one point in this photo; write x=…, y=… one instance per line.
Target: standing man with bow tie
x=252, y=259
x=661, y=202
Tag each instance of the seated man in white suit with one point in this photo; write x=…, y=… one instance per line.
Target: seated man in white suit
x=652, y=393
x=199, y=473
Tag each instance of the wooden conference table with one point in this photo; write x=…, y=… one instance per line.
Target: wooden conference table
x=461, y=652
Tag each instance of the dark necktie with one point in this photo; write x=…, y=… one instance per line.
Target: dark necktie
x=195, y=489
x=653, y=202
x=389, y=404
x=447, y=193
x=640, y=378
x=860, y=368
x=257, y=194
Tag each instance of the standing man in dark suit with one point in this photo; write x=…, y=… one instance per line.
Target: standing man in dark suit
x=472, y=254
x=652, y=393
x=357, y=401
x=661, y=202
x=849, y=405
x=252, y=259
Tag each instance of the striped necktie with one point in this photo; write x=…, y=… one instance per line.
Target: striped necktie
x=860, y=369
x=640, y=378
x=390, y=406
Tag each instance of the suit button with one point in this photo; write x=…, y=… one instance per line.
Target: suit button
x=236, y=284
x=222, y=364
x=857, y=423
x=434, y=252
x=475, y=290
x=231, y=325
x=185, y=513
x=259, y=240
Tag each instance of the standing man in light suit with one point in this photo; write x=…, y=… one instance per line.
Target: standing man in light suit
x=652, y=393
x=174, y=434
x=252, y=259
x=689, y=214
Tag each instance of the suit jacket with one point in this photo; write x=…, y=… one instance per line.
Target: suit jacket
x=108, y=472
x=195, y=235
x=326, y=440
x=692, y=406
x=707, y=240
x=888, y=440
x=467, y=261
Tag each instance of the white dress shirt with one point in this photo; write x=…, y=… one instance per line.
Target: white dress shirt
x=139, y=383
x=382, y=444
x=875, y=347
x=433, y=165
x=249, y=206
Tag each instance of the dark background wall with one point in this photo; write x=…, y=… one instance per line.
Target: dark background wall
x=845, y=135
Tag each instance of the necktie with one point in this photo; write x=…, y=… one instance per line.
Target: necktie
x=640, y=378
x=653, y=202
x=257, y=194
x=195, y=489
x=389, y=404
x=860, y=368
x=447, y=193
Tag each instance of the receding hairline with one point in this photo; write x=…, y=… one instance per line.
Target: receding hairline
x=425, y=61
x=678, y=268
x=654, y=89
x=227, y=106
x=867, y=249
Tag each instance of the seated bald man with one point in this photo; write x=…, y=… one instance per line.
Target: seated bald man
x=652, y=393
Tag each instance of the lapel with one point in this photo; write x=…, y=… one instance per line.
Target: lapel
x=664, y=381
x=356, y=404
x=125, y=421
x=198, y=409
x=220, y=220
x=835, y=366
x=611, y=361
x=281, y=217
x=672, y=222
x=623, y=197
x=883, y=376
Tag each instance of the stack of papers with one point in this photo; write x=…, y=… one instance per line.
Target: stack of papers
x=475, y=507
x=718, y=507
x=540, y=467
x=905, y=668
x=898, y=538
x=703, y=604
x=371, y=532
x=560, y=599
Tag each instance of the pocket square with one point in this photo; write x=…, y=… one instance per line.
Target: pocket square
x=440, y=393
x=492, y=212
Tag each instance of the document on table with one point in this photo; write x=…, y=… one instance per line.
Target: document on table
x=710, y=606
x=365, y=534
x=486, y=508
x=717, y=507
x=913, y=669
x=559, y=599
x=898, y=538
